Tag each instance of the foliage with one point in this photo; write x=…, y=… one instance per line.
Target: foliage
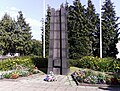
x=47, y=31
x=23, y=73
x=79, y=44
x=7, y=27
x=83, y=30
x=14, y=74
x=36, y=47
x=24, y=35
x=25, y=62
x=93, y=29
x=95, y=63
x=12, y=63
x=15, y=36
x=21, y=66
x=90, y=77
x=40, y=62
x=94, y=77
x=107, y=64
x=110, y=30
x=74, y=62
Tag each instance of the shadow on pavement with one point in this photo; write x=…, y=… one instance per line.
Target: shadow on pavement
x=110, y=88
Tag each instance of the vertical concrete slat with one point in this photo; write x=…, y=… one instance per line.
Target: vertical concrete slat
x=50, y=59
x=65, y=66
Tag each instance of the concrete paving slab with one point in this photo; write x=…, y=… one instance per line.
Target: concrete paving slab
x=21, y=89
x=90, y=88
x=51, y=89
x=30, y=89
x=37, y=84
x=80, y=88
x=40, y=89
x=71, y=89
x=62, y=88
x=2, y=89
x=8, y=89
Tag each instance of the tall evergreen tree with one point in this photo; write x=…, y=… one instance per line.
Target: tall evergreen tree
x=96, y=40
x=109, y=30
x=7, y=27
x=47, y=31
x=24, y=35
x=78, y=31
x=93, y=27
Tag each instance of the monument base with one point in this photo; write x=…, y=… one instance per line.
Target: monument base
x=56, y=71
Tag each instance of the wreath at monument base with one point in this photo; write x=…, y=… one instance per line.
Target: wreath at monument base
x=50, y=77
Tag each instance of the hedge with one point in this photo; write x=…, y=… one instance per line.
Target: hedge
x=27, y=62
x=95, y=63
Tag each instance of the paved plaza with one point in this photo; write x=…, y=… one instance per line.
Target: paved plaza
x=36, y=83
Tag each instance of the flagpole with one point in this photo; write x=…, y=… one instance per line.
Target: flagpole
x=43, y=28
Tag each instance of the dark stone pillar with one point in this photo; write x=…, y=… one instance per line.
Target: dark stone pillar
x=58, y=47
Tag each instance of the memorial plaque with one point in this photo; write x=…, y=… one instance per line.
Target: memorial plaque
x=56, y=63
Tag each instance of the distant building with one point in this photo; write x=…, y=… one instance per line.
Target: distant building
x=13, y=55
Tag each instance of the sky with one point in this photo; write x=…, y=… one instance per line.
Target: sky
x=33, y=10
x=57, y=3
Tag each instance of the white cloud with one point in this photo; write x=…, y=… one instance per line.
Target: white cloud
x=14, y=9
x=36, y=33
x=13, y=12
x=33, y=22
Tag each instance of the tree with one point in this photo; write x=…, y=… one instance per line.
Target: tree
x=15, y=36
x=7, y=27
x=78, y=31
x=47, y=31
x=36, y=47
x=93, y=27
x=109, y=30
x=24, y=34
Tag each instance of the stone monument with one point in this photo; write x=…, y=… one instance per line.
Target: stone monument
x=58, y=45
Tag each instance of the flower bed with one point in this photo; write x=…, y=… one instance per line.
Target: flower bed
x=14, y=74
x=94, y=77
x=12, y=68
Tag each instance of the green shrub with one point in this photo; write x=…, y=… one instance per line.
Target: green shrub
x=106, y=64
x=40, y=62
x=84, y=62
x=23, y=73
x=88, y=62
x=73, y=62
x=28, y=62
x=95, y=63
x=11, y=63
x=7, y=75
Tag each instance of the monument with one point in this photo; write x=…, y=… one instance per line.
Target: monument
x=58, y=45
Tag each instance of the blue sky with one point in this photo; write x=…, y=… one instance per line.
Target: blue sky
x=33, y=10
x=57, y=3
